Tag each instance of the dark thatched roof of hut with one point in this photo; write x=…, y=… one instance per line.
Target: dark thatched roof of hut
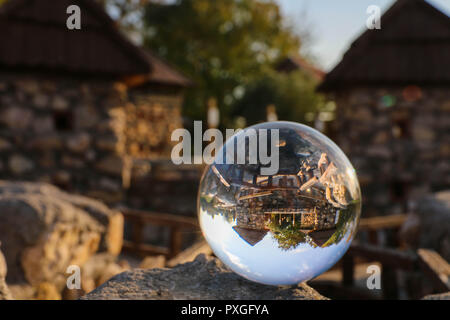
x=251, y=236
x=412, y=47
x=320, y=237
x=35, y=38
x=296, y=62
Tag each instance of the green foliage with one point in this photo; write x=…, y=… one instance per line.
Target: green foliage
x=127, y=13
x=344, y=223
x=229, y=49
x=288, y=236
x=293, y=94
x=225, y=46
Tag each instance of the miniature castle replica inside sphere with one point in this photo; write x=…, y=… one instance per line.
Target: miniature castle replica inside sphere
x=286, y=227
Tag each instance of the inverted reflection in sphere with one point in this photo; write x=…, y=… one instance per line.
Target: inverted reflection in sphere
x=281, y=228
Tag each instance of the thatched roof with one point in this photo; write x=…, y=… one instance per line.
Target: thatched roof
x=412, y=47
x=251, y=236
x=296, y=62
x=321, y=236
x=35, y=37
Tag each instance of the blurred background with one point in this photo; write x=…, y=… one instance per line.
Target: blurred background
x=88, y=114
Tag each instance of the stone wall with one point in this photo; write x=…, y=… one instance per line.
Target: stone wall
x=250, y=220
x=160, y=109
x=75, y=133
x=398, y=141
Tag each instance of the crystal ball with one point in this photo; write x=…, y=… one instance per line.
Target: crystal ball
x=280, y=203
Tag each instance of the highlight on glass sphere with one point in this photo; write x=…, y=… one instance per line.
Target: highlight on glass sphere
x=280, y=204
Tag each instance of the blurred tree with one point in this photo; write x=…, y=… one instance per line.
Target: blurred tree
x=225, y=46
x=345, y=221
x=288, y=236
x=292, y=95
x=128, y=14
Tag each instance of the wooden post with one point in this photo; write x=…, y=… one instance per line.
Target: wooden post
x=394, y=241
x=436, y=268
x=389, y=283
x=373, y=237
x=348, y=269
x=176, y=240
x=138, y=234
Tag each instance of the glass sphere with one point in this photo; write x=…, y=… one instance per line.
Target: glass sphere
x=285, y=221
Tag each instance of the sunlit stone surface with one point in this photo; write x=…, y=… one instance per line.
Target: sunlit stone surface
x=287, y=227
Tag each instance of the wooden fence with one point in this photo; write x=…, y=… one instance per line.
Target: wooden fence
x=176, y=225
x=427, y=262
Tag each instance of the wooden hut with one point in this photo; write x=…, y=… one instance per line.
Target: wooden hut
x=77, y=105
x=392, y=90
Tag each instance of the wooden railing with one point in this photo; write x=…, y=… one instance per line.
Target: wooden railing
x=177, y=225
x=426, y=261
x=372, y=226
x=375, y=224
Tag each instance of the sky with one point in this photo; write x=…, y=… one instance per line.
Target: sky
x=335, y=24
x=265, y=262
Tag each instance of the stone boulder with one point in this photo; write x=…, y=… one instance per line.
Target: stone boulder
x=4, y=291
x=428, y=226
x=100, y=268
x=153, y=262
x=204, y=278
x=44, y=230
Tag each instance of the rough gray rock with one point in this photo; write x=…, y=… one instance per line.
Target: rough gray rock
x=440, y=296
x=204, y=278
x=429, y=224
x=4, y=291
x=100, y=268
x=44, y=230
